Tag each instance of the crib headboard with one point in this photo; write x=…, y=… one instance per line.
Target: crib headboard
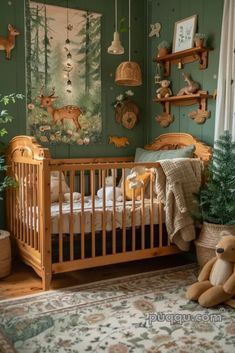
x=171, y=141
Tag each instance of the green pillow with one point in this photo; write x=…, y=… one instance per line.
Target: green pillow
x=142, y=155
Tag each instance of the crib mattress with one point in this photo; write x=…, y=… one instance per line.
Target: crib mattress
x=62, y=218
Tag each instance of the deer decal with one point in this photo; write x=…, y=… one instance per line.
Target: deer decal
x=59, y=114
x=8, y=43
x=192, y=86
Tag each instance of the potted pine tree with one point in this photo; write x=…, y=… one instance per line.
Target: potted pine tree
x=5, y=182
x=216, y=198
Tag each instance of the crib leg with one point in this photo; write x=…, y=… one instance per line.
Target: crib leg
x=46, y=280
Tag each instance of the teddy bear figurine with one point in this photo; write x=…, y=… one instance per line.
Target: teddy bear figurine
x=164, y=91
x=216, y=281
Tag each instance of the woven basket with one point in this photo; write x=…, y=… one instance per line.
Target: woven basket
x=5, y=254
x=209, y=236
x=128, y=73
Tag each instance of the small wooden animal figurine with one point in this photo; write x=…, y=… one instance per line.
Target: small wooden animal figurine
x=192, y=86
x=70, y=112
x=118, y=141
x=8, y=43
x=155, y=29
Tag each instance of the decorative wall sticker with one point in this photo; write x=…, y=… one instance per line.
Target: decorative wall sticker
x=63, y=48
x=164, y=119
x=126, y=111
x=155, y=29
x=199, y=115
x=192, y=86
x=8, y=43
x=118, y=141
x=69, y=112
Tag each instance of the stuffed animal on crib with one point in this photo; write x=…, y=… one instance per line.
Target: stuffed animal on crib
x=164, y=91
x=109, y=190
x=216, y=281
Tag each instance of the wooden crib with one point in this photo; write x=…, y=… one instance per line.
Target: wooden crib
x=83, y=233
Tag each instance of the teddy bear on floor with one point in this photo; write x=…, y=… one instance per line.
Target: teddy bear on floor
x=164, y=91
x=216, y=281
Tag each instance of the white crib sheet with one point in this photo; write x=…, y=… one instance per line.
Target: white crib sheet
x=64, y=217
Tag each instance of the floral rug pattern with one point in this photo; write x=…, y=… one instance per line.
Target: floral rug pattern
x=144, y=313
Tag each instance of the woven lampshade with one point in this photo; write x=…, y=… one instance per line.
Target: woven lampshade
x=128, y=73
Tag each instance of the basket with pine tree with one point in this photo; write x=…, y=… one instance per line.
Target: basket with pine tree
x=216, y=198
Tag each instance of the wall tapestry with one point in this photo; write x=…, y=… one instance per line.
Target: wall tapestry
x=63, y=74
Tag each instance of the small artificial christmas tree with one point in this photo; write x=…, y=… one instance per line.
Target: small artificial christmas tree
x=216, y=197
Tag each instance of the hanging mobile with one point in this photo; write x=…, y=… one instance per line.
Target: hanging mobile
x=68, y=66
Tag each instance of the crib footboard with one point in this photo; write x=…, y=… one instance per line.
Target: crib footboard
x=120, y=224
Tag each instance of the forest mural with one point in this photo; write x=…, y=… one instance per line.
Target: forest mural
x=63, y=74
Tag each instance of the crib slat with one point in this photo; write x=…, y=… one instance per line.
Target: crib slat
x=82, y=188
x=71, y=218
x=124, y=211
x=142, y=220
x=30, y=225
x=100, y=178
x=114, y=213
x=151, y=213
x=60, y=219
x=21, y=204
x=35, y=210
x=92, y=180
x=16, y=209
x=133, y=220
x=28, y=177
x=24, y=176
x=103, y=214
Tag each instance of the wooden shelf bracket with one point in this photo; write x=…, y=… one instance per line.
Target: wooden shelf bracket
x=199, y=116
x=184, y=57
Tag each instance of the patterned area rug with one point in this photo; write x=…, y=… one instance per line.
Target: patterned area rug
x=144, y=313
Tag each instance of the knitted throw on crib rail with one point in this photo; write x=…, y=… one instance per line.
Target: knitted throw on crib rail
x=176, y=181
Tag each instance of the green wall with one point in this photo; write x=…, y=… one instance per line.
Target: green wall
x=209, y=22
x=144, y=12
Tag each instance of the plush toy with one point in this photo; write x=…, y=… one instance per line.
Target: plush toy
x=109, y=193
x=164, y=91
x=216, y=281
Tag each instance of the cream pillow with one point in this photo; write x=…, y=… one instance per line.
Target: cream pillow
x=55, y=186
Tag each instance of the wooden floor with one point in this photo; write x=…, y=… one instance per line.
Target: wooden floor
x=24, y=281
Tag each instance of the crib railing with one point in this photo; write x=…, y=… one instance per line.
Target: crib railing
x=126, y=229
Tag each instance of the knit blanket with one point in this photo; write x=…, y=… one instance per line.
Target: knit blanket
x=176, y=181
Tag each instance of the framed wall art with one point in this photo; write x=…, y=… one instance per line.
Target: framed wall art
x=184, y=33
x=63, y=74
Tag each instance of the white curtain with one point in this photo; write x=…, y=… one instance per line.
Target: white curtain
x=225, y=102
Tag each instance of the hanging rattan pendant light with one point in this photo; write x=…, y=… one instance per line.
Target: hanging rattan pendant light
x=116, y=47
x=128, y=73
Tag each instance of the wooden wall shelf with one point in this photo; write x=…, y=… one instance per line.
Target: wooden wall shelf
x=184, y=57
x=199, y=116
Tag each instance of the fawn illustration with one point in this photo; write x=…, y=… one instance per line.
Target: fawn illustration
x=59, y=114
x=8, y=43
x=192, y=86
